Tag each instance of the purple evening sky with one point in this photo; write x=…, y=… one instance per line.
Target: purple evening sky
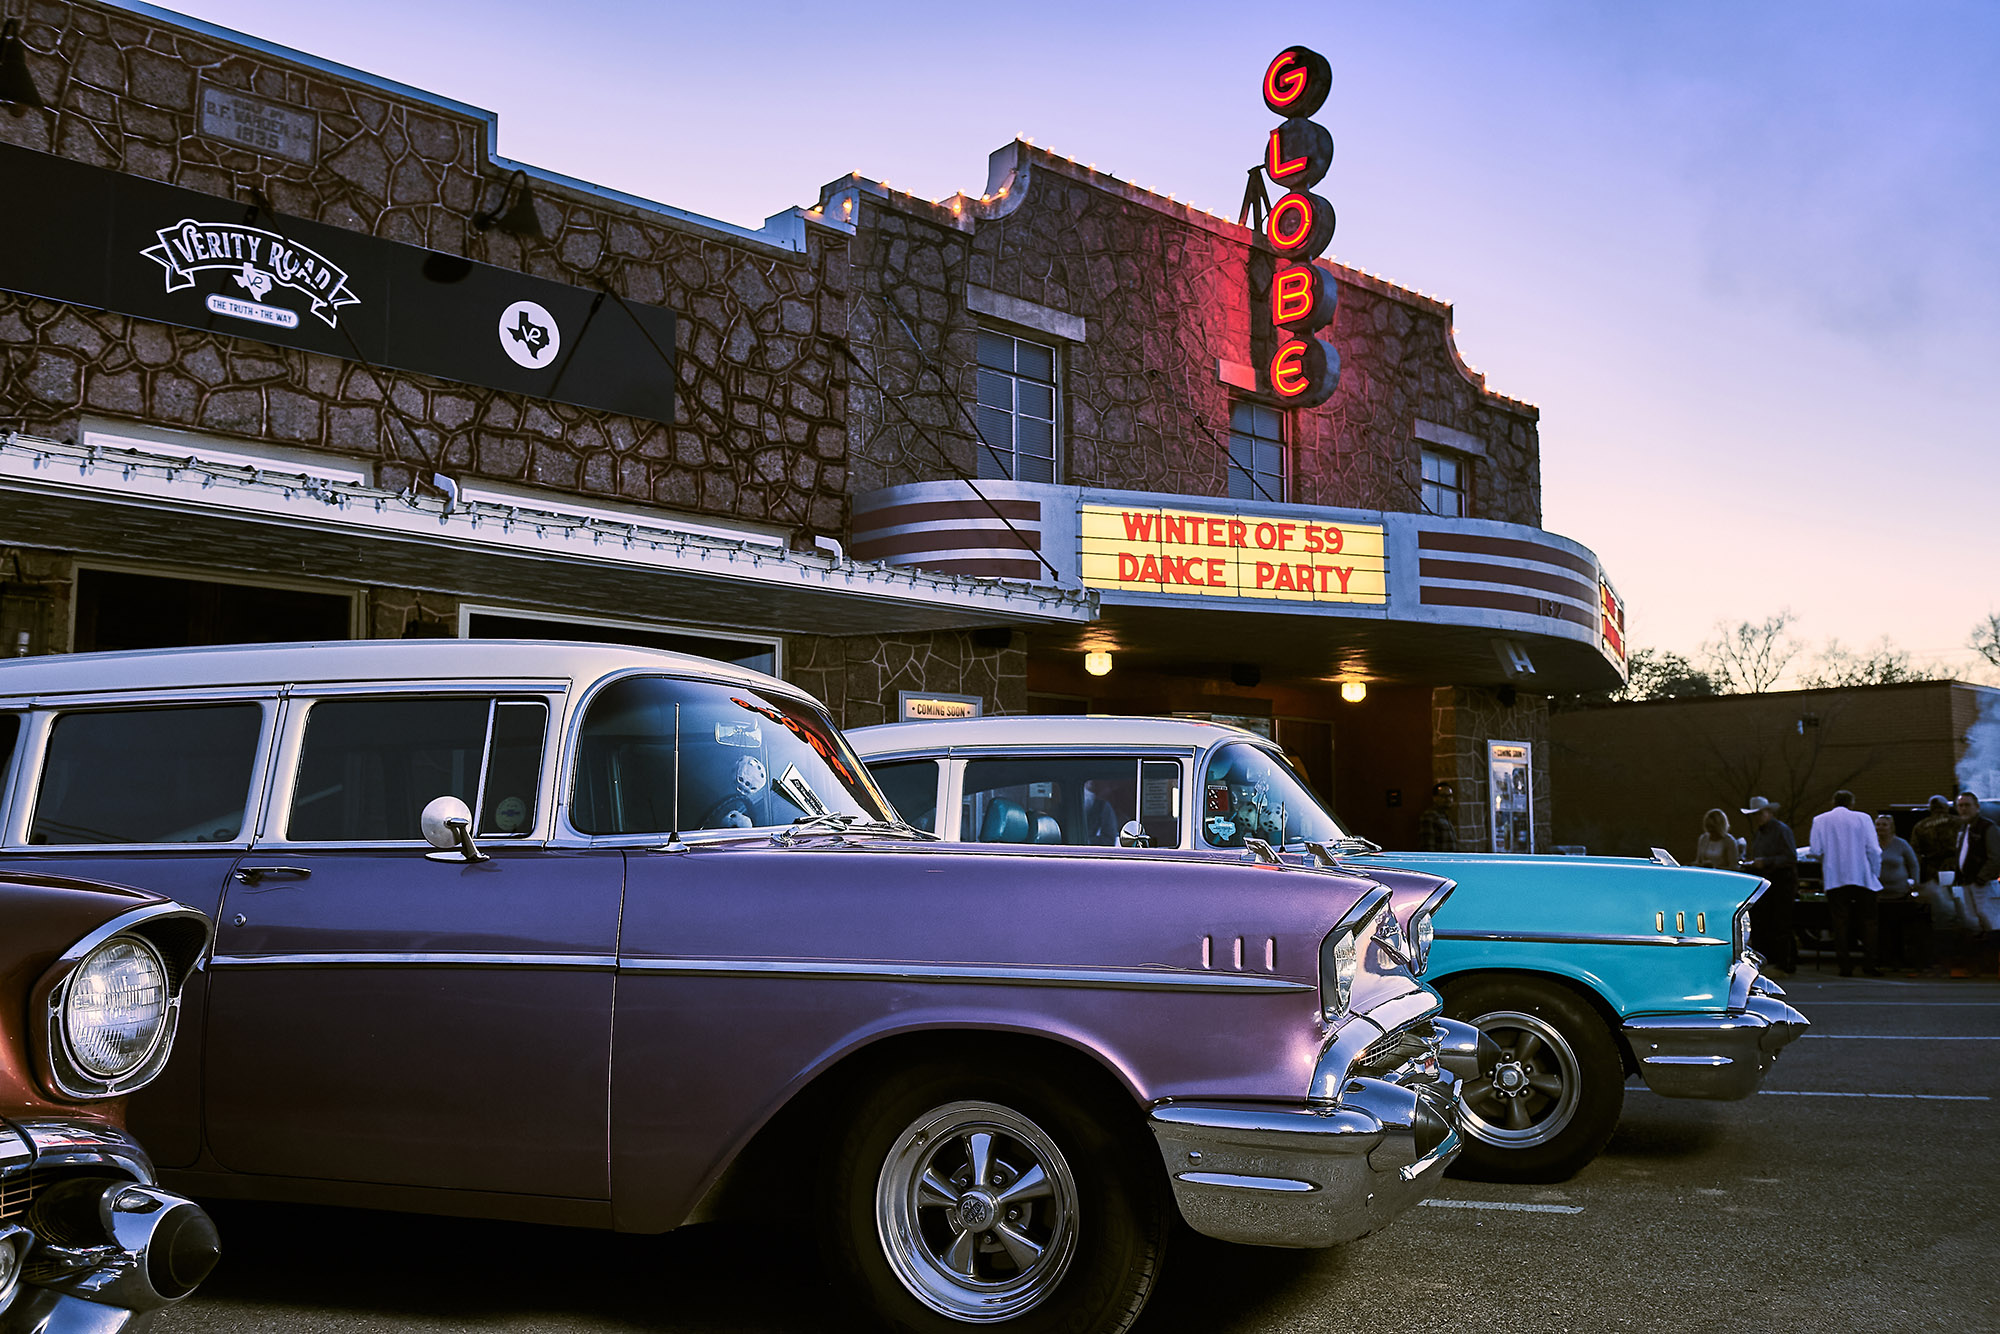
x=1742, y=256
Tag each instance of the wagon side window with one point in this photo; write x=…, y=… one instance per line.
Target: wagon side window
x=368, y=767
x=912, y=788
x=10, y=737
x=1081, y=801
x=147, y=776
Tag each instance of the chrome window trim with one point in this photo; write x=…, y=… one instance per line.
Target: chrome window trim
x=1562, y=938
x=289, y=745
x=397, y=959
x=1015, y=975
x=33, y=755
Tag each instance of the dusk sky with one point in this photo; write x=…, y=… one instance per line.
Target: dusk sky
x=1744, y=257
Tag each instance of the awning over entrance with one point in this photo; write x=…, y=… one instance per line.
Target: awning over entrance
x=1188, y=583
x=139, y=504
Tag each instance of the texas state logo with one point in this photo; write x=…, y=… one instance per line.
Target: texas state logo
x=258, y=263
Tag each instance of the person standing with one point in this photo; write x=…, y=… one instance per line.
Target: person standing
x=1850, y=861
x=1900, y=871
x=1718, y=847
x=1774, y=854
x=1437, y=827
x=1935, y=840
x=1976, y=868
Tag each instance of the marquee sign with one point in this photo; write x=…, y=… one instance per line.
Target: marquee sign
x=1209, y=553
x=1304, y=370
x=91, y=237
x=1611, y=623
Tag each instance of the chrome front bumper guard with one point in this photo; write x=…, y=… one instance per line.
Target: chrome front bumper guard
x=1332, y=1168
x=1717, y=1056
x=117, y=1248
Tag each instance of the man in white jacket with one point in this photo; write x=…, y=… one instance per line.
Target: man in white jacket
x=1850, y=863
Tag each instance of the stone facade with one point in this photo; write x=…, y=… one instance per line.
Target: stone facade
x=1463, y=720
x=1165, y=295
x=860, y=677
x=760, y=430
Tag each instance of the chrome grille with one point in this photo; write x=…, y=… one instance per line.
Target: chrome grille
x=17, y=1192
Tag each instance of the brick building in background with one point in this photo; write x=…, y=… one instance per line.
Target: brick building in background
x=1641, y=775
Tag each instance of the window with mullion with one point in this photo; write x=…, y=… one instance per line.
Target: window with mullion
x=1016, y=408
x=1444, y=489
x=1256, y=452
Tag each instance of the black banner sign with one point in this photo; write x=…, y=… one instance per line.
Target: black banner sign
x=92, y=237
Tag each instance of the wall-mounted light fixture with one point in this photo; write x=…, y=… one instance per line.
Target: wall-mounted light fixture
x=1097, y=662
x=1354, y=691
x=515, y=213
x=17, y=86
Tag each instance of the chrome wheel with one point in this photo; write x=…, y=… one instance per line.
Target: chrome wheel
x=976, y=1209
x=1533, y=1092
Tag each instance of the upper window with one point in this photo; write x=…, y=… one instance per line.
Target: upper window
x=1247, y=792
x=1256, y=452
x=660, y=753
x=148, y=776
x=912, y=788
x=368, y=767
x=1446, y=479
x=1080, y=801
x=1017, y=408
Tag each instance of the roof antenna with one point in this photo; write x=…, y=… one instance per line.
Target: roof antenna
x=674, y=843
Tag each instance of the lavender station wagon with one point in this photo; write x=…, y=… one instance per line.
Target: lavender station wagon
x=620, y=938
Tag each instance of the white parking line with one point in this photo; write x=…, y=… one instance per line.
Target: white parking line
x=1817, y=1093
x=1919, y=1097
x=1901, y=1037
x=1503, y=1204
x=1991, y=1005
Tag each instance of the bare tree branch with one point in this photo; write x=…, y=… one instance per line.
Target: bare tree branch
x=1749, y=657
x=1985, y=639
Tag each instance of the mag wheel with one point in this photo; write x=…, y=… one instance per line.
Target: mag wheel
x=1553, y=1099
x=965, y=1200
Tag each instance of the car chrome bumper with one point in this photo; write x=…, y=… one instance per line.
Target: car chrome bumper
x=1328, y=1170
x=1716, y=1056
x=118, y=1247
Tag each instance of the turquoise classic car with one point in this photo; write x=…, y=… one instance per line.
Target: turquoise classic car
x=1585, y=971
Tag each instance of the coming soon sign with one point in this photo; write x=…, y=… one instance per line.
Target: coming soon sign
x=1219, y=554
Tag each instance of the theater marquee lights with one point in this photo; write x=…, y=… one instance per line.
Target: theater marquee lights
x=1303, y=370
x=1205, y=553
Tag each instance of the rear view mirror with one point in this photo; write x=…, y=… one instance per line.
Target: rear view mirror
x=447, y=825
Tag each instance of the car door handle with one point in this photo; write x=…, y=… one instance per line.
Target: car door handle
x=250, y=875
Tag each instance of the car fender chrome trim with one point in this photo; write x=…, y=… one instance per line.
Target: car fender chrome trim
x=57, y=1069
x=393, y=959
x=1005, y=975
x=1566, y=938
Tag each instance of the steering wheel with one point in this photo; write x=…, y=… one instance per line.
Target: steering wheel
x=732, y=812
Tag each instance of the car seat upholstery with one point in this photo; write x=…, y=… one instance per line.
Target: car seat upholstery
x=1047, y=829
x=1006, y=822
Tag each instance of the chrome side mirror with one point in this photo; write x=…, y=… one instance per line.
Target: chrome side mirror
x=447, y=825
x=1134, y=835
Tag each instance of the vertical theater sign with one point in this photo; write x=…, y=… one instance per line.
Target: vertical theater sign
x=1304, y=369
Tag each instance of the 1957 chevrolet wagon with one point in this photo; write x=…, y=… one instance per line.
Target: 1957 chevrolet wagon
x=1582, y=970
x=613, y=937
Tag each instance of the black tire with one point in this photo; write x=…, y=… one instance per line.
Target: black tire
x=1554, y=1100
x=1101, y=1224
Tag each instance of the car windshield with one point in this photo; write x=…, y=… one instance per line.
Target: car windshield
x=1248, y=792
x=747, y=760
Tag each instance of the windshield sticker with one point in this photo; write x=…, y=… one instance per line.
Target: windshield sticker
x=1160, y=797
x=820, y=744
x=1221, y=830
x=794, y=785
x=510, y=815
x=747, y=735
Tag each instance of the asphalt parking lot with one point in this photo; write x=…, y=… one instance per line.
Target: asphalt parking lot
x=1860, y=1190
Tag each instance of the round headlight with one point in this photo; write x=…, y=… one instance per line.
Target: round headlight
x=1422, y=932
x=116, y=1007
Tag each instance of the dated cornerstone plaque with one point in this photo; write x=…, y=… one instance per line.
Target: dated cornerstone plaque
x=264, y=127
